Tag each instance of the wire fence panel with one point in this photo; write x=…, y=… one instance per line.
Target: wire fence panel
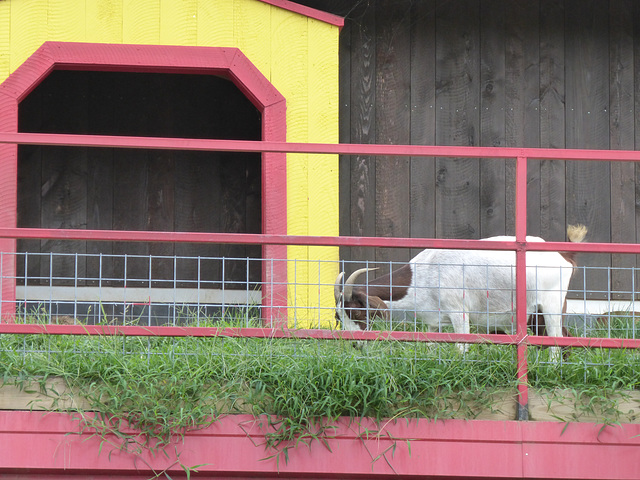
x=444, y=298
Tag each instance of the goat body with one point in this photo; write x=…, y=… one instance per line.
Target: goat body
x=462, y=288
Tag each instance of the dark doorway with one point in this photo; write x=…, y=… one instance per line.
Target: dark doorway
x=92, y=188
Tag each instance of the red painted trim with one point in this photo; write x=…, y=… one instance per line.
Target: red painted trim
x=34, y=443
x=318, y=148
x=319, y=334
x=274, y=187
x=8, y=203
x=229, y=62
x=311, y=240
x=308, y=12
x=521, y=287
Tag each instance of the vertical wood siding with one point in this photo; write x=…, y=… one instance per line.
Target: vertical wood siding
x=130, y=189
x=530, y=73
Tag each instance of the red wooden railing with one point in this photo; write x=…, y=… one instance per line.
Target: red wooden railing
x=520, y=155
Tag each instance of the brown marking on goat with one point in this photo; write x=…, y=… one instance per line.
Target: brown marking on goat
x=383, y=288
x=378, y=291
x=537, y=324
x=358, y=307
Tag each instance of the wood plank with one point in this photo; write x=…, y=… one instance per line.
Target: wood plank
x=212, y=27
x=552, y=119
x=254, y=20
x=100, y=174
x=179, y=22
x=130, y=186
x=363, y=118
x=289, y=73
x=422, y=221
x=621, y=127
x=66, y=21
x=562, y=405
x=130, y=212
x=64, y=176
x=162, y=166
x=29, y=185
x=26, y=30
x=104, y=21
x=323, y=182
x=34, y=396
x=5, y=40
x=161, y=192
x=64, y=205
x=344, y=125
x=198, y=187
x=197, y=210
x=393, y=93
x=141, y=22
x=493, y=189
x=587, y=97
x=253, y=208
x=635, y=14
x=233, y=216
x=457, y=115
x=522, y=92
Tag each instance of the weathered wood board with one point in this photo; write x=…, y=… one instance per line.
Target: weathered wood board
x=544, y=405
x=541, y=73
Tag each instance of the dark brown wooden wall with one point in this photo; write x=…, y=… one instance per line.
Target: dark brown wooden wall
x=514, y=73
x=138, y=189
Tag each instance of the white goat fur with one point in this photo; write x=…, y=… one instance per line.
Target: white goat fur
x=465, y=287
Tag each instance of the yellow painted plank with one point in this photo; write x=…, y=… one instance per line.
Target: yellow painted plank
x=323, y=81
x=215, y=23
x=289, y=69
x=178, y=22
x=252, y=30
x=323, y=108
x=28, y=29
x=104, y=21
x=66, y=20
x=288, y=75
x=5, y=38
x=323, y=111
x=141, y=21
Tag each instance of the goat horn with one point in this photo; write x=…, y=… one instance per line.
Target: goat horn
x=348, y=285
x=337, y=288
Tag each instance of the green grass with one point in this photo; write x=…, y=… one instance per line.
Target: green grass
x=164, y=387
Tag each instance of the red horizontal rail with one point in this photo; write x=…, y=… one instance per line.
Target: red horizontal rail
x=342, y=241
x=106, y=141
x=318, y=334
x=520, y=246
x=162, y=143
x=323, y=334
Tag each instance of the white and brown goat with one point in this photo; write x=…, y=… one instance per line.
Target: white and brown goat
x=461, y=288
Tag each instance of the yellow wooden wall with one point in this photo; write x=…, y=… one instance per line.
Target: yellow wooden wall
x=299, y=55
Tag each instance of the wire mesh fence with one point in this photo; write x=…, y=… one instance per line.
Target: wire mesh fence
x=91, y=289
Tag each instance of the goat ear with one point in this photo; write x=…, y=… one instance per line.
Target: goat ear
x=379, y=308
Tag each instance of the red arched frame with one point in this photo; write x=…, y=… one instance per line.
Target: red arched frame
x=227, y=62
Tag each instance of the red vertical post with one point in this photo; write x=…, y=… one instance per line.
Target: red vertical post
x=8, y=207
x=521, y=286
x=274, y=218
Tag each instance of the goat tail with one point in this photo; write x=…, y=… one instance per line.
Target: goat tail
x=576, y=233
